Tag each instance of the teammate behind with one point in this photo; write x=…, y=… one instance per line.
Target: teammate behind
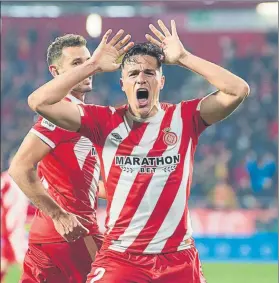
x=146, y=152
x=64, y=235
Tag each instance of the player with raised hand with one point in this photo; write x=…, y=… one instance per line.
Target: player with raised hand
x=146, y=151
x=64, y=235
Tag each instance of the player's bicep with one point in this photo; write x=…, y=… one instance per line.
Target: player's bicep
x=31, y=151
x=64, y=114
x=217, y=106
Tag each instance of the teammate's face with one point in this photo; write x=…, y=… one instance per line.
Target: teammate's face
x=72, y=57
x=142, y=81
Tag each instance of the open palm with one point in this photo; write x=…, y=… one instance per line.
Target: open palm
x=107, y=53
x=169, y=42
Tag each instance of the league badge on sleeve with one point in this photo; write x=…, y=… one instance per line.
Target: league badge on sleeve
x=47, y=124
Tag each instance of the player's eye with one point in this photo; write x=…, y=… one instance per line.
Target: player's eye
x=76, y=63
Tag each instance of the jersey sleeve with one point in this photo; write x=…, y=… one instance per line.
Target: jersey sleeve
x=48, y=132
x=93, y=118
x=191, y=111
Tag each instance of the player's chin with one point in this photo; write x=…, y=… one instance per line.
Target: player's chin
x=86, y=88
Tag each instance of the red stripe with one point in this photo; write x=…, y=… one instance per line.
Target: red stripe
x=181, y=229
x=142, y=181
x=164, y=203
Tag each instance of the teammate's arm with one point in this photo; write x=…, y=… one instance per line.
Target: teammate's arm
x=232, y=90
x=47, y=100
x=23, y=171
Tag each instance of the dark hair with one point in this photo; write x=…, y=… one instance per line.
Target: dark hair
x=54, y=51
x=145, y=48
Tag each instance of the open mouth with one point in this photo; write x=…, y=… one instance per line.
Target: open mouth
x=142, y=97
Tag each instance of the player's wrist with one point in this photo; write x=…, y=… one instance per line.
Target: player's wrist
x=57, y=213
x=184, y=58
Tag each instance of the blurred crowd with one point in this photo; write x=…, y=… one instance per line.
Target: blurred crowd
x=236, y=160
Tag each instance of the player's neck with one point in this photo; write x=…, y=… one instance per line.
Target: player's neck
x=132, y=118
x=78, y=95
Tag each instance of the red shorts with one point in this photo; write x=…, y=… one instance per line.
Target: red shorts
x=58, y=262
x=115, y=267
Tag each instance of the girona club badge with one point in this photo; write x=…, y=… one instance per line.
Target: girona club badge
x=170, y=138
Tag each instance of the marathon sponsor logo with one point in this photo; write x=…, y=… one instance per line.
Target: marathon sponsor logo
x=147, y=164
x=47, y=124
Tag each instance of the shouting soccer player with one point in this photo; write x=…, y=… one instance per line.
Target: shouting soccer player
x=64, y=234
x=146, y=150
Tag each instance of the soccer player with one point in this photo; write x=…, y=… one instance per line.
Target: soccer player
x=14, y=206
x=64, y=235
x=146, y=150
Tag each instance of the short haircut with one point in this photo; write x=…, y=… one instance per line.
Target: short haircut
x=54, y=51
x=145, y=48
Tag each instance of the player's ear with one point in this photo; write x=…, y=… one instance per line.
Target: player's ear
x=163, y=79
x=121, y=84
x=53, y=70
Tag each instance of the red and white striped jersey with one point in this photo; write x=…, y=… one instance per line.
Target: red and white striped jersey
x=14, y=205
x=147, y=171
x=70, y=174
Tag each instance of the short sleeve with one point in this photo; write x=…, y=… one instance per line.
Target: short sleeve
x=191, y=111
x=93, y=117
x=48, y=132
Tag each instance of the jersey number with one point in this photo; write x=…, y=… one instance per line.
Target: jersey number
x=99, y=272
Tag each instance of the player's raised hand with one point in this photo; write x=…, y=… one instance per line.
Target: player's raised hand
x=168, y=41
x=69, y=226
x=107, y=53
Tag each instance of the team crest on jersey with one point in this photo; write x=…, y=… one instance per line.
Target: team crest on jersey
x=169, y=138
x=47, y=124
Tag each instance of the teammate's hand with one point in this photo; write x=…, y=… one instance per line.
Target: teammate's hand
x=69, y=226
x=107, y=53
x=169, y=42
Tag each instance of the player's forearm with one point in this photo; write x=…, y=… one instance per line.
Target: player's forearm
x=56, y=89
x=221, y=78
x=30, y=184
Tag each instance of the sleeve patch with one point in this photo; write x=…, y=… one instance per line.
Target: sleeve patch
x=47, y=124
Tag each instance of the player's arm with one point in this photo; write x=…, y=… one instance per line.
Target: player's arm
x=102, y=191
x=232, y=90
x=23, y=171
x=47, y=100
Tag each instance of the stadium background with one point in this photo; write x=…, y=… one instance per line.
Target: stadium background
x=234, y=193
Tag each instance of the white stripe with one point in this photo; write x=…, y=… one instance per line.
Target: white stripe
x=176, y=211
x=126, y=180
x=81, y=150
x=111, y=146
x=81, y=112
x=43, y=138
x=94, y=182
x=154, y=189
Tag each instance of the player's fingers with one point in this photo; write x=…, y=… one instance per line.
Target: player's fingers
x=164, y=28
x=153, y=40
x=115, y=39
x=106, y=36
x=126, y=48
x=173, y=28
x=157, y=32
x=122, y=42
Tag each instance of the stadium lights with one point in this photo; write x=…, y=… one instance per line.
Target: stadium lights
x=94, y=25
x=267, y=9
